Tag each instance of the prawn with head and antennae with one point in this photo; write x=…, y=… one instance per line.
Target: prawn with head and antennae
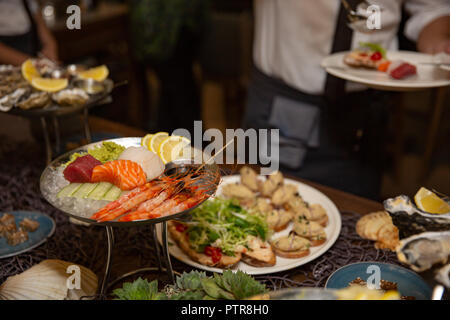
x=176, y=188
x=127, y=202
x=178, y=203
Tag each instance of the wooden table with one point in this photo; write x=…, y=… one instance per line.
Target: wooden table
x=344, y=201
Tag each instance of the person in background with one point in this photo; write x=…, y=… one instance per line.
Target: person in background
x=166, y=35
x=331, y=132
x=23, y=33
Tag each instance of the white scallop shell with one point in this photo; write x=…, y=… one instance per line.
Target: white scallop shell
x=48, y=280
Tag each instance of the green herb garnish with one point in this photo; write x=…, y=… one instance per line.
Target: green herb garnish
x=224, y=223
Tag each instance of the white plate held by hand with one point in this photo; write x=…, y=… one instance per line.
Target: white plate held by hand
x=428, y=75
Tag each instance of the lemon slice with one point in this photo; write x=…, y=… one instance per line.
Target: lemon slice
x=29, y=71
x=391, y=295
x=146, y=140
x=430, y=202
x=156, y=140
x=49, y=85
x=98, y=73
x=172, y=148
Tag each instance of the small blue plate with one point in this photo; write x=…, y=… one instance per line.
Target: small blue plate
x=36, y=238
x=408, y=282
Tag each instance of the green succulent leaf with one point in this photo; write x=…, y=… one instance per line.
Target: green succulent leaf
x=189, y=295
x=242, y=285
x=190, y=281
x=194, y=285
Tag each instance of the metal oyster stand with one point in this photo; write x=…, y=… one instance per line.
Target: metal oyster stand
x=54, y=111
x=109, y=226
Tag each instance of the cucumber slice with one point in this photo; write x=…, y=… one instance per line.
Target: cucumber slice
x=69, y=190
x=85, y=190
x=112, y=194
x=101, y=189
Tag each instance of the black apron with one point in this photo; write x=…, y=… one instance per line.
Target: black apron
x=335, y=139
x=27, y=43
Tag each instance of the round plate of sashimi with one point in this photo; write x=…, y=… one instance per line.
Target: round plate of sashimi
x=118, y=182
x=391, y=70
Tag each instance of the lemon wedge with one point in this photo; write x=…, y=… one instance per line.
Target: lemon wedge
x=428, y=201
x=49, y=85
x=172, y=148
x=146, y=140
x=29, y=71
x=391, y=295
x=155, y=141
x=98, y=73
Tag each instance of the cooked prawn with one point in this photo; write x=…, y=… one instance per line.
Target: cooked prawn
x=112, y=205
x=128, y=204
x=178, y=203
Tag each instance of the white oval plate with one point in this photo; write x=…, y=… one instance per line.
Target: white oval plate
x=310, y=195
x=428, y=76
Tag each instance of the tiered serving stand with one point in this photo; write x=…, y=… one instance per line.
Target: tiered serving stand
x=110, y=225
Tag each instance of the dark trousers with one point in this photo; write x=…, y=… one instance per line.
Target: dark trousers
x=352, y=134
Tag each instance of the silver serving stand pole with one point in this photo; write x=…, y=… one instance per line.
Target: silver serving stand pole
x=52, y=114
x=48, y=145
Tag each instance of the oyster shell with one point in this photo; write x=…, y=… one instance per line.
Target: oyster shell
x=70, y=97
x=48, y=280
x=4, y=68
x=35, y=100
x=424, y=250
x=410, y=220
x=443, y=275
x=11, y=81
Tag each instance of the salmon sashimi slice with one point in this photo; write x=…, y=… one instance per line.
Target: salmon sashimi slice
x=125, y=174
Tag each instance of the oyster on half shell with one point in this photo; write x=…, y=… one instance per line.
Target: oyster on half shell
x=422, y=251
x=410, y=220
x=9, y=101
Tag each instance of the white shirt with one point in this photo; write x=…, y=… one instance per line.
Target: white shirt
x=13, y=17
x=293, y=36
